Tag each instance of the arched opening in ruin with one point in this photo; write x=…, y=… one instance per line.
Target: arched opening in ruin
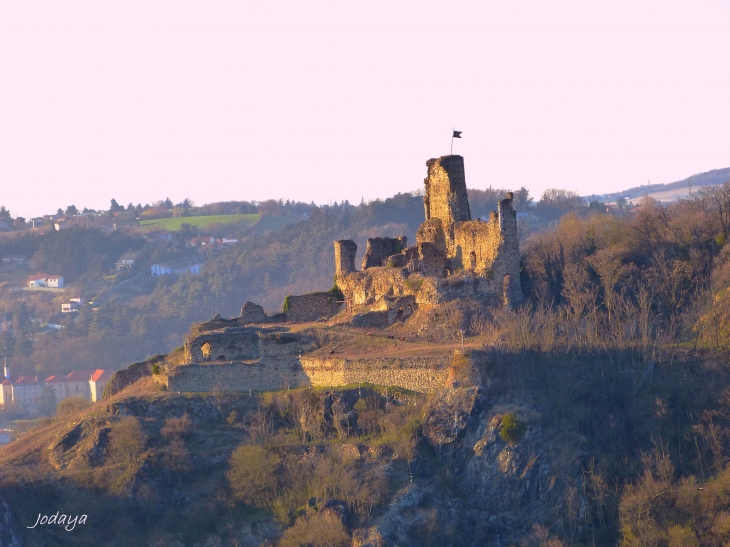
x=473, y=260
x=205, y=350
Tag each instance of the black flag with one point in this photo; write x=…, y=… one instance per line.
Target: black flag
x=457, y=135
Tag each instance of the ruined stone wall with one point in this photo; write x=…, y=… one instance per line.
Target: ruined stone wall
x=506, y=267
x=432, y=260
x=312, y=307
x=345, y=251
x=252, y=313
x=370, y=288
x=265, y=375
x=380, y=248
x=227, y=344
x=432, y=231
x=415, y=373
x=476, y=245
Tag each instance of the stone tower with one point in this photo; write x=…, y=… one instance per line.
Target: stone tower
x=445, y=193
x=345, y=251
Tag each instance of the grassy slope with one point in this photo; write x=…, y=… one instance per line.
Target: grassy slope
x=173, y=224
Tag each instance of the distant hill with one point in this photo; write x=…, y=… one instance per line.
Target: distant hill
x=710, y=178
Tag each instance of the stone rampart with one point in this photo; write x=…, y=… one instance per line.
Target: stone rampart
x=311, y=307
x=414, y=373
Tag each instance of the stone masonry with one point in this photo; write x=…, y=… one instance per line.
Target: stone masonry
x=380, y=248
x=311, y=307
x=454, y=257
x=415, y=373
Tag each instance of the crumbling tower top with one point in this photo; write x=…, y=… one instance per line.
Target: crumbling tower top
x=445, y=194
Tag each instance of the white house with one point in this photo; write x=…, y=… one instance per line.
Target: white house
x=55, y=281
x=37, y=280
x=73, y=304
x=125, y=262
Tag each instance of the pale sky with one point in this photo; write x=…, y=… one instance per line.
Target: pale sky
x=333, y=100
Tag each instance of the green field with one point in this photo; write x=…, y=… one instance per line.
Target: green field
x=173, y=224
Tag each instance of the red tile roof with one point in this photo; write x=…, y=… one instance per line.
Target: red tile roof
x=79, y=376
x=100, y=374
x=28, y=380
x=55, y=379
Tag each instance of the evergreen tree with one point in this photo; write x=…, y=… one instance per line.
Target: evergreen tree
x=47, y=401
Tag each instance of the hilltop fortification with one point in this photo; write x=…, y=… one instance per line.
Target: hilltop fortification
x=454, y=257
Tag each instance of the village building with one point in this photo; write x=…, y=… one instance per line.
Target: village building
x=125, y=262
x=38, y=280
x=176, y=267
x=99, y=380
x=201, y=241
x=77, y=384
x=58, y=383
x=26, y=391
x=73, y=305
x=6, y=392
x=55, y=281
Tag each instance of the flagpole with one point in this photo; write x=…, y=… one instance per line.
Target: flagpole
x=452, y=141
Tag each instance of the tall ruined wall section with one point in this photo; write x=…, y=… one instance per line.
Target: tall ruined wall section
x=476, y=246
x=415, y=373
x=506, y=266
x=445, y=196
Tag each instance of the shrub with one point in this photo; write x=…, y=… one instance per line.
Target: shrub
x=232, y=418
x=414, y=285
x=156, y=368
x=176, y=427
x=286, y=303
x=512, y=429
x=337, y=293
x=252, y=475
x=72, y=406
x=317, y=530
x=126, y=448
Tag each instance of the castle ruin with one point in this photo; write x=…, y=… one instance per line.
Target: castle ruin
x=454, y=257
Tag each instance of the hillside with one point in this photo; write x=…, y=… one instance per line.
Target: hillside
x=709, y=178
x=541, y=446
